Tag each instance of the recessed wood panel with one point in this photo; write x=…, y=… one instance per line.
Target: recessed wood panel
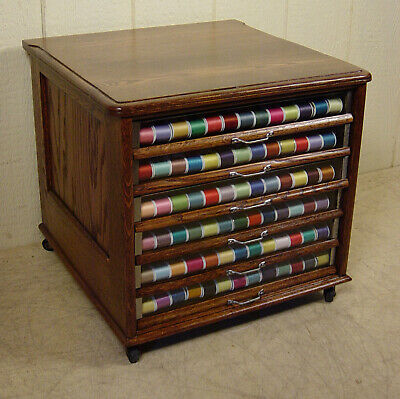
x=77, y=152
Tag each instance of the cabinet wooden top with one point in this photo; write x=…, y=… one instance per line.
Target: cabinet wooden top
x=152, y=71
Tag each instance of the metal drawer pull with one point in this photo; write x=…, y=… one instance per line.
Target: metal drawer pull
x=268, y=134
x=257, y=298
x=238, y=174
x=245, y=208
x=262, y=264
x=231, y=272
x=234, y=241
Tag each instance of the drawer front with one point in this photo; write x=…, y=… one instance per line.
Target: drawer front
x=224, y=225
x=257, y=117
x=232, y=282
x=184, y=164
x=234, y=253
x=246, y=137
x=238, y=206
x=244, y=171
x=238, y=190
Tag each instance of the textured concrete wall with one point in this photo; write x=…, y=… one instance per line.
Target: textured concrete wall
x=362, y=32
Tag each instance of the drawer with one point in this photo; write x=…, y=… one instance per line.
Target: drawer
x=241, y=235
x=230, y=192
x=233, y=281
x=183, y=170
x=238, y=206
x=243, y=266
x=224, y=225
x=258, y=117
x=235, y=252
x=224, y=157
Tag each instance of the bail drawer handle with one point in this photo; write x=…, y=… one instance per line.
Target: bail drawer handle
x=262, y=264
x=261, y=172
x=262, y=235
x=245, y=208
x=231, y=272
x=257, y=298
x=268, y=134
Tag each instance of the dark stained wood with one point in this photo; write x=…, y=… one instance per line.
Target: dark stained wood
x=220, y=271
x=45, y=121
x=92, y=93
x=348, y=198
x=39, y=94
x=170, y=183
x=243, y=235
x=157, y=69
x=254, y=134
x=128, y=223
x=223, y=209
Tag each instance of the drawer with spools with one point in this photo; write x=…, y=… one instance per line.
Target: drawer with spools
x=195, y=192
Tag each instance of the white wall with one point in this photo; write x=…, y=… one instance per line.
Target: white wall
x=366, y=33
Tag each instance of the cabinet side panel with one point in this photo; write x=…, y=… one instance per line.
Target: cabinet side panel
x=80, y=177
x=77, y=158
x=348, y=197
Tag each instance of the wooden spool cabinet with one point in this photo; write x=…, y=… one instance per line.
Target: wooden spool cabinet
x=184, y=182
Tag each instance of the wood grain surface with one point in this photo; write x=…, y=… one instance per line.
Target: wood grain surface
x=157, y=68
x=77, y=145
x=253, y=134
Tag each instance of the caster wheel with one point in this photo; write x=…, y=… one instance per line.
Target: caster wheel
x=133, y=354
x=329, y=294
x=46, y=245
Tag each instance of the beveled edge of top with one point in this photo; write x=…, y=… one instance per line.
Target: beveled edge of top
x=158, y=107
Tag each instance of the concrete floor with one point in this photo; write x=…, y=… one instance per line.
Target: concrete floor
x=53, y=343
